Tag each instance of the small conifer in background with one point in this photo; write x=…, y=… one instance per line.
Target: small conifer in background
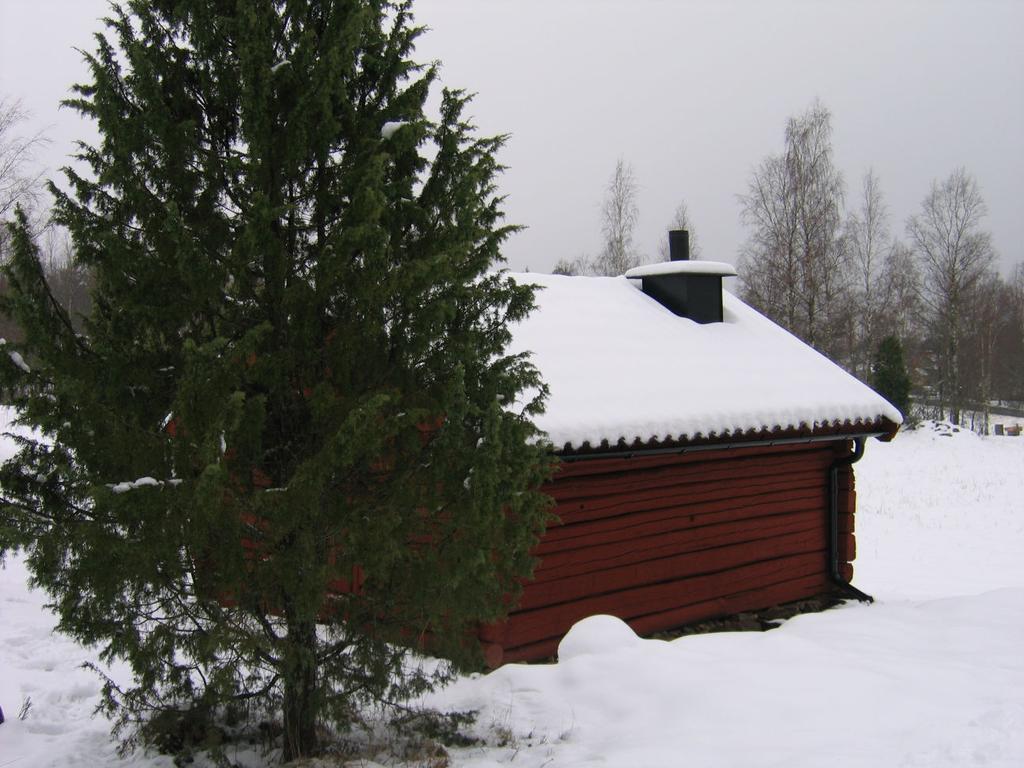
x=289, y=441
x=889, y=375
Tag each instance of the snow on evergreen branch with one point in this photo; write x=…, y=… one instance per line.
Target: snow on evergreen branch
x=391, y=127
x=142, y=482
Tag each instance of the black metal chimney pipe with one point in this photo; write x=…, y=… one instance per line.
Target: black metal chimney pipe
x=678, y=245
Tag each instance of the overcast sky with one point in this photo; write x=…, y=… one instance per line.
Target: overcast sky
x=692, y=94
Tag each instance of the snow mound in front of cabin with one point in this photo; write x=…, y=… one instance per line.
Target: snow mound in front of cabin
x=596, y=635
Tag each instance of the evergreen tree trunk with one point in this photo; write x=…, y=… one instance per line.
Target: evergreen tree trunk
x=301, y=701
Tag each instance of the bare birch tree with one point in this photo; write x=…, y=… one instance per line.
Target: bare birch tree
x=581, y=265
x=867, y=240
x=19, y=183
x=69, y=279
x=900, y=308
x=987, y=311
x=619, y=216
x=792, y=266
x=954, y=254
x=867, y=235
x=681, y=220
x=1010, y=353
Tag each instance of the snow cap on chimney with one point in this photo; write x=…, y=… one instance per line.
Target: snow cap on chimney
x=690, y=289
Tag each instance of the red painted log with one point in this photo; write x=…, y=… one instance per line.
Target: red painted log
x=754, y=599
x=566, y=489
x=640, y=548
x=494, y=655
x=847, y=547
x=525, y=626
x=593, y=509
x=720, y=559
x=637, y=463
x=596, y=508
x=660, y=520
x=709, y=472
x=493, y=633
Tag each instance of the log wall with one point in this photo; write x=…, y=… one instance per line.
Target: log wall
x=662, y=541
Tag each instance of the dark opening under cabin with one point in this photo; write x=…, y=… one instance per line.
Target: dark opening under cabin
x=706, y=456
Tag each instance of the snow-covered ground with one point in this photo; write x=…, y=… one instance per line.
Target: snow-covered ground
x=932, y=674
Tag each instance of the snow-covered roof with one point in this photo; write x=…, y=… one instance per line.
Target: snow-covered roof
x=625, y=371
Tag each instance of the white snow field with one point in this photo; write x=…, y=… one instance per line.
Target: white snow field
x=932, y=674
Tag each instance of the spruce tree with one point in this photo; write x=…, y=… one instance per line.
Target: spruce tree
x=889, y=375
x=289, y=443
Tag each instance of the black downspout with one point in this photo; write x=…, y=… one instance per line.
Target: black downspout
x=844, y=587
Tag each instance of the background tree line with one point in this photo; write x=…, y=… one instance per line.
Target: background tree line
x=822, y=261
x=838, y=276
x=928, y=311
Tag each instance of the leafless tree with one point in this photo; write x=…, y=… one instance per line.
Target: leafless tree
x=987, y=311
x=681, y=220
x=899, y=306
x=1009, y=364
x=578, y=266
x=993, y=350
x=954, y=254
x=793, y=266
x=70, y=281
x=19, y=183
x=866, y=240
x=619, y=216
x=867, y=235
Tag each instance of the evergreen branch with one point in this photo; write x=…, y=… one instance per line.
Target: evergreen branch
x=259, y=693
x=333, y=652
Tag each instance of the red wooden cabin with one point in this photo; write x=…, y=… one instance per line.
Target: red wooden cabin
x=706, y=456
